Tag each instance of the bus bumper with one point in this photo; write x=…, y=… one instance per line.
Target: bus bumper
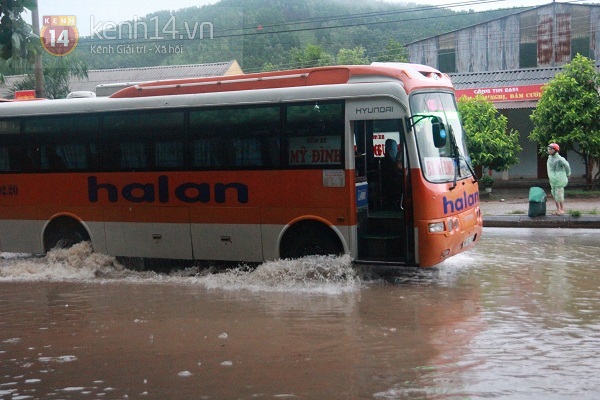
x=441, y=239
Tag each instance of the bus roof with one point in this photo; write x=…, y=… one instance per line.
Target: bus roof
x=411, y=75
x=311, y=83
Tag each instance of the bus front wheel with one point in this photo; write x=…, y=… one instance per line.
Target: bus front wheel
x=63, y=233
x=310, y=238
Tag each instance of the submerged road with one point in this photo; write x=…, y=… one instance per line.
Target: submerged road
x=516, y=317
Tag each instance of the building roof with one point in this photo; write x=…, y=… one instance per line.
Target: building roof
x=142, y=74
x=506, y=79
x=520, y=77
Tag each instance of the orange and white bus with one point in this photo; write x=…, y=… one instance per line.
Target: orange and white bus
x=246, y=168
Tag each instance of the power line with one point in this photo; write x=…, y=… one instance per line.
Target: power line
x=223, y=34
x=235, y=32
x=246, y=31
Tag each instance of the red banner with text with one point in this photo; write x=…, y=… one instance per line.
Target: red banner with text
x=506, y=93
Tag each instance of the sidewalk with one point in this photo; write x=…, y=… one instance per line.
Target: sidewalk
x=508, y=205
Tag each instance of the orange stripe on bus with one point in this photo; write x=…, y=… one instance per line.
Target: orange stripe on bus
x=303, y=188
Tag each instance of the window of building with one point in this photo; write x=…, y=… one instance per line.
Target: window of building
x=580, y=35
x=528, y=40
x=447, y=53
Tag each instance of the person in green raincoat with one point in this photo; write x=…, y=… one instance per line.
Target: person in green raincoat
x=559, y=172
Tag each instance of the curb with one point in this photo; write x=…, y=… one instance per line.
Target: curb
x=554, y=221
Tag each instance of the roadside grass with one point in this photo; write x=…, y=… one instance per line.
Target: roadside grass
x=517, y=212
x=578, y=213
x=582, y=194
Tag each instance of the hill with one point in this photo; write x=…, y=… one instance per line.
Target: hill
x=270, y=34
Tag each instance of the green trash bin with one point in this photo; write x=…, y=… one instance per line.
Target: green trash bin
x=537, y=202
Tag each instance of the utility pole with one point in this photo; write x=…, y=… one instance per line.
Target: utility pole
x=38, y=71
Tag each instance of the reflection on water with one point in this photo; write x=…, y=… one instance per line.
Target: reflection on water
x=517, y=317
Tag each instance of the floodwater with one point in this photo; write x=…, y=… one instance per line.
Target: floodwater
x=518, y=317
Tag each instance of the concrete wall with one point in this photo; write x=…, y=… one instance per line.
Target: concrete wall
x=527, y=168
x=495, y=45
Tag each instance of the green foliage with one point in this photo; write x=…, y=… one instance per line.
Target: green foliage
x=354, y=56
x=394, y=52
x=17, y=40
x=568, y=112
x=491, y=146
x=311, y=56
x=57, y=74
x=487, y=180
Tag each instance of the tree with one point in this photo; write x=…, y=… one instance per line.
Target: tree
x=355, y=56
x=311, y=56
x=394, y=52
x=57, y=76
x=491, y=145
x=17, y=40
x=568, y=112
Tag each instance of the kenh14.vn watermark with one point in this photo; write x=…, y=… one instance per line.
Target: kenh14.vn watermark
x=151, y=29
x=59, y=35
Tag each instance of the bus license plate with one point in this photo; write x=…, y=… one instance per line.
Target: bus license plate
x=468, y=241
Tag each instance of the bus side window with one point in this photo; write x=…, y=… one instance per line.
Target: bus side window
x=4, y=159
x=247, y=152
x=93, y=157
x=273, y=149
x=31, y=159
x=77, y=156
x=10, y=158
x=111, y=155
x=51, y=160
x=208, y=152
x=168, y=154
x=235, y=137
x=315, y=134
x=133, y=156
x=145, y=140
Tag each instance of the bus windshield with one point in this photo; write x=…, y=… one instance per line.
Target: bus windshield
x=440, y=164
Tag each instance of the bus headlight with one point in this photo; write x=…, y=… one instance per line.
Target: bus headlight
x=436, y=227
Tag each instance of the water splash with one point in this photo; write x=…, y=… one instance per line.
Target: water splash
x=317, y=274
x=76, y=263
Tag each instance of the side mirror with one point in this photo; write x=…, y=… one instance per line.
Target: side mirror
x=439, y=132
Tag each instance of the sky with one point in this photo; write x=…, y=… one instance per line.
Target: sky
x=91, y=13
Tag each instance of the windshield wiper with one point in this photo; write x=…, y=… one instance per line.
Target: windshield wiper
x=457, y=157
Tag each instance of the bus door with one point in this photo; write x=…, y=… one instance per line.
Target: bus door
x=384, y=234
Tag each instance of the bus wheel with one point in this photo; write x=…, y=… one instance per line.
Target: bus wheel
x=310, y=238
x=63, y=233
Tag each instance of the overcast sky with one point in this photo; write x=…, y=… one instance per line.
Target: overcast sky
x=123, y=10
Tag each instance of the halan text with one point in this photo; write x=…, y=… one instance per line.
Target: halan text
x=161, y=191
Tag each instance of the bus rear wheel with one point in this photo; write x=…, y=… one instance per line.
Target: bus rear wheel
x=308, y=239
x=63, y=233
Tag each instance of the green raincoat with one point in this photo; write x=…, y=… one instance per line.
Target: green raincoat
x=559, y=171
